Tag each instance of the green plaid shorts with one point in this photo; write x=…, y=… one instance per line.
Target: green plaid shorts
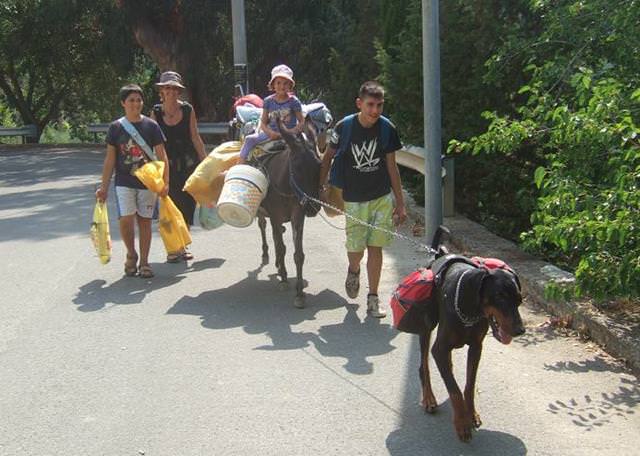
x=377, y=212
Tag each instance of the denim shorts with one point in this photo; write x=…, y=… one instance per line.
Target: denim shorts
x=130, y=201
x=377, y=212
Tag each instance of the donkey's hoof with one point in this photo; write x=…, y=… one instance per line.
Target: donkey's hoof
x=284, y=286
x=299, y=302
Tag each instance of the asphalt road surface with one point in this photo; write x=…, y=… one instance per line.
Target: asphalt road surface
x=212, y=358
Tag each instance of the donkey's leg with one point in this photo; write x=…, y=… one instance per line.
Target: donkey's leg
x=262, y=223
x=297, y=224
x=276, y=229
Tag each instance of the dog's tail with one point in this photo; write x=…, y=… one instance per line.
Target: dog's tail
x=442, y=233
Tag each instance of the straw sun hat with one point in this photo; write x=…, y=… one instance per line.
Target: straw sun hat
x=170, y=79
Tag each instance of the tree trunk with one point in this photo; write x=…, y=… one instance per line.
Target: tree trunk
x=163, y=43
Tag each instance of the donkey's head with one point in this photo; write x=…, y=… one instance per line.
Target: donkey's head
x=304, y=164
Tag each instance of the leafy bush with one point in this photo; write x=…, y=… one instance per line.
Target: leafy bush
x=587, y=214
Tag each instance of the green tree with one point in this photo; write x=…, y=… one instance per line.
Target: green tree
x=61, y=56
x=578, y=117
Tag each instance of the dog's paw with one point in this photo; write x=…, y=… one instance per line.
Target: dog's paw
x=476, y=421
x=429, y=404
x=463, y=429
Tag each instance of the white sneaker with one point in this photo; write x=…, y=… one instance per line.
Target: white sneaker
x=373, y=307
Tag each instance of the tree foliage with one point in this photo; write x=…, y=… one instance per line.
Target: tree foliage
x=579, y=116
x=58, y=56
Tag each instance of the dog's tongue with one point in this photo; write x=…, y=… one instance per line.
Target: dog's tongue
x=504, y=337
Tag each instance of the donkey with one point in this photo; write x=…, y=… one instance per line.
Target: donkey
x=293, y=175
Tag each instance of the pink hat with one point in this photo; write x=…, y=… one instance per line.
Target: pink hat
x=282, y=71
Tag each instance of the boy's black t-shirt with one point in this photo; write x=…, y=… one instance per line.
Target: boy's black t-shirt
x=365, y=167
x=129, y=156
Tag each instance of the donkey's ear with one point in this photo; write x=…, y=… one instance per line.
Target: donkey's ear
x=470, y=290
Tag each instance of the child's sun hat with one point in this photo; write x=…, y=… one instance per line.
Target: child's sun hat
x=282, y=71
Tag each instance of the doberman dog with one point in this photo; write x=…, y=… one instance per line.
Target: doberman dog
x=468, y=299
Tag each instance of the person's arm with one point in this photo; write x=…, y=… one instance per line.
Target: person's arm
x=107, y=172
x=399, y=211
x=325, y=166
x=264, y=125
x=196, y=139
x=161, y=153
x=298, y=128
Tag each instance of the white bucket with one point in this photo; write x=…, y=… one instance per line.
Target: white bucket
x=244, y=189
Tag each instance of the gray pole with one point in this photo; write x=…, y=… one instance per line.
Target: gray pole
x=240, y=64
x=432, y=117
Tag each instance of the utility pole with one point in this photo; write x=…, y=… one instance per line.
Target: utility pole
x=432, y=117
x=240, y=64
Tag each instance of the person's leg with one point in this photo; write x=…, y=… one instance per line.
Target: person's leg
x=355, y=244
x=144, y=239
x=126, y=206
x=250, y=142
x=127, y=233
x=380, y=216
x=146, y=201
x=354, y=261
x=374, y=268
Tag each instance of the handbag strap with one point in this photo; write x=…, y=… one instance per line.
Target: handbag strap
x=137, y=137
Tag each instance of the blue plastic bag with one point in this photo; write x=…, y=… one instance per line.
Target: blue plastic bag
x=208, y=217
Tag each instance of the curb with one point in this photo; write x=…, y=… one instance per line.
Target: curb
x=616, y=337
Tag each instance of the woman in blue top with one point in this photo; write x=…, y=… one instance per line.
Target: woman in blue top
x=282, y=102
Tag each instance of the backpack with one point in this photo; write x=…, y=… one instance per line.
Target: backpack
x=336, y=176
x=410, y=300
x=495, y=263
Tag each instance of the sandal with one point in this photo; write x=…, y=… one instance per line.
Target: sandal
x=146, y=272
x=187, y=256
x=174, y=258
x=130, y=268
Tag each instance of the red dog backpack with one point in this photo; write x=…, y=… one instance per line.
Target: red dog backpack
x=495, y=263
x=410, y=299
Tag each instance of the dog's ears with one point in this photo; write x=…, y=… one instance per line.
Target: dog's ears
x=470, y=290
x=517, y=280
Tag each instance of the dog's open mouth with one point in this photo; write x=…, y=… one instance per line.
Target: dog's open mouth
x=498, y=332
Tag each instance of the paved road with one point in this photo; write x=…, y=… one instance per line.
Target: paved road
x=213, y=359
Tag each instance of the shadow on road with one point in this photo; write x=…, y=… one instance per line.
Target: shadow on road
x=24, y=166
x=260, y=307
x=96, y=294
x=36, y=217
x=593, y=411
x=434, y=434
x=355, y=340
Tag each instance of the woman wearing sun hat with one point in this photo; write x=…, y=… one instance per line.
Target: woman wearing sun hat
x=282, y=102
x=184, y=146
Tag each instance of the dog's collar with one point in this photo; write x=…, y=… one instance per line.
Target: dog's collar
x=466, y=321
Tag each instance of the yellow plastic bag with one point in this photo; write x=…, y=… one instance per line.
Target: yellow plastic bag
x=205, y=183
x=173, y=229
x=151, y=175
x=334, y=197
x=100, y=232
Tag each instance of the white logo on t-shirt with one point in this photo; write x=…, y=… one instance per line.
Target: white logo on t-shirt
x=364, y=156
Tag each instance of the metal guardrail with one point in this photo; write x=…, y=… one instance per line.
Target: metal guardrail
x=413, y=157
x=25, y=131
x=205, y=128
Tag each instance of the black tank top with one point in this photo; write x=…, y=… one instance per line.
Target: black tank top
x=181, y=153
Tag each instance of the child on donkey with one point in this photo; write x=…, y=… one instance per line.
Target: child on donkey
x=281, y=103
